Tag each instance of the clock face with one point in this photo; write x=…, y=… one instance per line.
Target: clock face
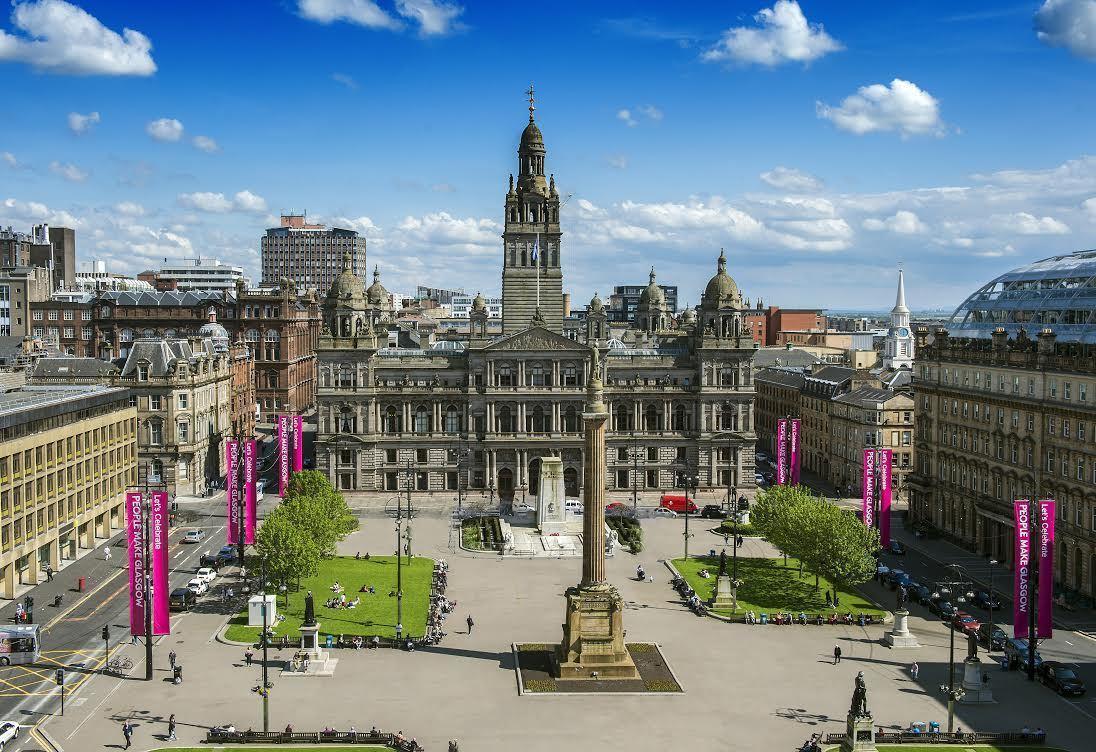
x=903, y=331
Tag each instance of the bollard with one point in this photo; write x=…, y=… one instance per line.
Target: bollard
x=80, y=583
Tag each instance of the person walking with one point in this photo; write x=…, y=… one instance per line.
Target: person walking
x=171, y=727
x=248, y=656
x=171, y=658
x=836, y=654
x=106, y=553
x=470, y=623
x=49, y=573
x=914, y=670
x=127, y=732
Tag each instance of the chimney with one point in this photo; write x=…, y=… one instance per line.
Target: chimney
x=1047, y=338
x=566, y=304
x=921, y=336
x=1000, y=338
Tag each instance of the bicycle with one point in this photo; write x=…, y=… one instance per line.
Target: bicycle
x=119, y=666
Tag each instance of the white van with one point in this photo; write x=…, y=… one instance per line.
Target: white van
x=574, y=506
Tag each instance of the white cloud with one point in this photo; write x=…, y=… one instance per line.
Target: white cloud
x=617, y=161
x=901, y=107
x=1070, y=24
x=80, y=124
x=129, y=209
x=468, y=235
x=625, y=116
x=165, y=129
x=217, y=203
x=9, y=159
x=345, y=80
x=434, y=18
x=68, y=171
x=782, y=35
x=1024, y=223
x=206, y=144
x=650, y=111
x=1089, y=205
x=58, y=37
x=902, y=222
x=33, y=212
x=791, y=179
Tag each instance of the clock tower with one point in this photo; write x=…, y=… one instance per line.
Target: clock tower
x=898, y=350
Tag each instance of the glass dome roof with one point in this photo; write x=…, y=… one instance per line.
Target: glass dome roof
x=1058, y=292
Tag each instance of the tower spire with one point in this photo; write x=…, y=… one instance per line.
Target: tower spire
x=900, y=300
x=531, y=94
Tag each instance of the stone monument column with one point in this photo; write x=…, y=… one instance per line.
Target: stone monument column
x=593, y=512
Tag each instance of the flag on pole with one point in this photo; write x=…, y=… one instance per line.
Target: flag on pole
x=536, y=253
x=536, y=248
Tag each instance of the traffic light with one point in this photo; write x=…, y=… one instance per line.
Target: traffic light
x=60, y=677
x=106, y=633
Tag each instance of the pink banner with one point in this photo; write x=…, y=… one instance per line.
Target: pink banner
x=868, y=509
x=793, y=471
x=781, y=451
x=135, y=537
x=1021, y=599
x=1045, y=614
x=251, y=469
x=298, y=443
x=283, y=454
x=158, y=518
x=232, y=492
x=885, y=494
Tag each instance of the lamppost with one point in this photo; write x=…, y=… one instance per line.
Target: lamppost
x=961, y=585
x=264, y=689
x=992, y=564
x=635, y=472
x=687, y=480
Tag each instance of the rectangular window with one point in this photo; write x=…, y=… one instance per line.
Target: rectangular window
x=622, y=479
x=1053, y=388
x=1067, y=391
x=680, y=455
x=36, y=315
x=85, y=333
x=652, y=479
x=1082, y=392
x=1031, y=387
x=622, y=454
x=652, y=454
x=53, y=315
x=421, y=456
x=154, y=402
x=390, y=456
x=422, y=481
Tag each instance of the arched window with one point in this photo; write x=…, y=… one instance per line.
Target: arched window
x=681, y=419
x=505, y=420
x=251, y=336
x=182, y=429
x=650, y=419
x=126, y=335
x=392, y=420
x=422, y=419
x=271, y=379
x=347, y=421
x=728, y=417
x=452, y=419
x=505, y=376
x=271, y=345
x=536, y=376
x=538, y=421
x=570, y=420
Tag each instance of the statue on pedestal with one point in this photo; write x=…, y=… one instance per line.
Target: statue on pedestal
x=902, y=594
x=723, y=562
x=972, y=646
x=859, y=706
x=309, y=611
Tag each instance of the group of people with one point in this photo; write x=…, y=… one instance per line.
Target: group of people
x=440, y=606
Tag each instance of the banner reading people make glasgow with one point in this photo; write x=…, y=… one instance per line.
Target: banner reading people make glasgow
x=1045, y=614
x=251, y=458
x=283, y=454
x=135, y=538
x=232, y=492
x=793, y=459
x=1021, y=596
x=781, y=452
x=298, y=443
x=885, y=496
x=868, y=508
x=158, y=543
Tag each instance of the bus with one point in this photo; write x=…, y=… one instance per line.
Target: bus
x=19, y=643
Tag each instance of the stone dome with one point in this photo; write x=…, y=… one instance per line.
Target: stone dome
x=376, y=294
x=722, y=291
x=689, y=317
x=478, y=303
x=347, y=288
x=652, y=295
x=596, y=306
x=531, y=138
x=215, y=332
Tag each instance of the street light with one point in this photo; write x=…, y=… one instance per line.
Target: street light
x=687, y=480
x=960, y=584
x=992, y=564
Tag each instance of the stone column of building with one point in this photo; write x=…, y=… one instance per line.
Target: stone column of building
x=593, y=513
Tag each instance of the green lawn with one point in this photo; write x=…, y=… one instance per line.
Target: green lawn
x=978, y=747
x=375, y=615
x=324, y=747
x=770, y=587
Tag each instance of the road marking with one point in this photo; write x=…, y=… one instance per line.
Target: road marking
x=106, y=600
x=1077, y=706
x=78, y=603
x=1067, y=642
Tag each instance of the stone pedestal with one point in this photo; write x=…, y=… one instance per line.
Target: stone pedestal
x=726, y=597
x=593, y=636
x=859, y=734
x=311, y=660
x=551, y=515
x=975, y=691
x=900, y=636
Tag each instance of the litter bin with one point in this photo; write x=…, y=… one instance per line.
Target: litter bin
x=80, y=583
x=177, y=674
x=331, y=641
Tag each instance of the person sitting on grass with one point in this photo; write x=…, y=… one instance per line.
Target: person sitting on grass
x=704, y=573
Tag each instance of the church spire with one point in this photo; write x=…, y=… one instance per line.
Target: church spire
x=900, y=300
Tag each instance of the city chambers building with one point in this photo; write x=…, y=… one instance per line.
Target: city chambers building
x=398, y=408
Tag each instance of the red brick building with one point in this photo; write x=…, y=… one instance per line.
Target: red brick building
x=767, y=323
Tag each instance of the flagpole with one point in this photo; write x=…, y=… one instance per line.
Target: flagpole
x=536, y=260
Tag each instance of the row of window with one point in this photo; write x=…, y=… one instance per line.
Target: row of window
x=67, y=332
x=1011, y=383
x=68, y=314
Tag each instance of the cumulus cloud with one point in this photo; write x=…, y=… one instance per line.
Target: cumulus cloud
x=68, y=171
x=625, y=116
x=468, y=235
x=80, y=124
x=617, y=161
x=791, y=179
x=129, y=209
x=430, y=17
x=1089, y=205
x=902, y=106
x=165, y=129
x=54, y=36
x=650, y=112
x=206, y=144
x=218, y=203
x=33, y=212
x=1070, y=24
x=1024, y=223
x=782, y=35
x=9, y=159
x=345, y=80
x=630, y=117
x=902, y=222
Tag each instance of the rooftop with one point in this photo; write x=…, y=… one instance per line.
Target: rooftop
x=36, y=402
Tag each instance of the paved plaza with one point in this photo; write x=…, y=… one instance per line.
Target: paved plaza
x=746, y=687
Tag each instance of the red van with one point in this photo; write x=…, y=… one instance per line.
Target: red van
x=679, y=504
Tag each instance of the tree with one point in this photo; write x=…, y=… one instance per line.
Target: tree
x=289, y=551
x=849, y=559
x=314, y=485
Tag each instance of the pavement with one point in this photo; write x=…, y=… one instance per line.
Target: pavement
x=751, y=686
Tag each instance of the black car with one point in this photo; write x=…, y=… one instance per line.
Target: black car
x=1061, y=678
x=896, y=548
x=713, y=512
x=182, y=599
x=920, y=593
x=943, y=609
x=983, y=599
x=994, y=641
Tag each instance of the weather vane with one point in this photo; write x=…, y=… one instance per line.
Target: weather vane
x=532, y=107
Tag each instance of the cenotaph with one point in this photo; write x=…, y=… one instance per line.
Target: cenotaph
x=593, y=633
x=551, y=514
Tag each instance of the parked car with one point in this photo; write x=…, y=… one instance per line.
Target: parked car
x=522, y=507
x=759, y=479
x=896, y=577
x=918, y=593
x=761, y=456
x=1016, y=650
x=964, y=622
x=1061, y=678
x=679, y=504
x=182, y=599
x=198, y=587
x=943, y=609
x=206, y=574
x=994, y=640
x=664, y=512
x=574, y=506
x=896, y=548
x=8, y=730
x=193, y=536
x=882, y=570
x=227, y=554
x=713, y=512
x=982, y=599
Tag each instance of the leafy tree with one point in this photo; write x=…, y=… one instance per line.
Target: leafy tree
x=325, y=501
x=849, y=559
x=289, y=550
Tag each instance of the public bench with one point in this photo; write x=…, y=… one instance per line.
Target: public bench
x=312, y=737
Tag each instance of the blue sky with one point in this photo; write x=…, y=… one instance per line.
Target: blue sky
x=820, y=143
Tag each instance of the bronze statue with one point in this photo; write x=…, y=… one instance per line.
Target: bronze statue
x=859, y=706
x=902, y=594
x=309, y=611
x=972, y=646
x=723, y=562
